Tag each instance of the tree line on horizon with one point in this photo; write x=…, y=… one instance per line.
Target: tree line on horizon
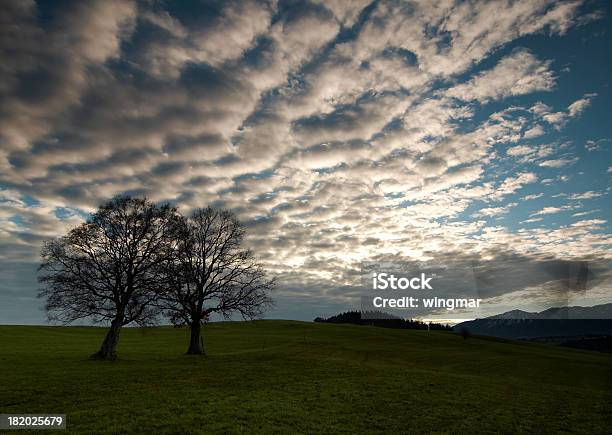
x=134, y=261
x=381, y=319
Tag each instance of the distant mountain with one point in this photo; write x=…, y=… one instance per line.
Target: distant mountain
x=553, y=322
x=597, y=312
x=603, y=311
x=515, y=314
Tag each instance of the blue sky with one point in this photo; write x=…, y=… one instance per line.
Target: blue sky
x=463, y=133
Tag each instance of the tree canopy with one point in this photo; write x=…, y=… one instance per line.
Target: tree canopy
x=214, y=273
x=134, y=260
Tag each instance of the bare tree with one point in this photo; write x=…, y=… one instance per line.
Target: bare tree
x=213, y=273
x=465, y=333
x=110, y=268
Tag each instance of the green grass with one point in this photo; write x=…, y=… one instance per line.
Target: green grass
x=283, y=376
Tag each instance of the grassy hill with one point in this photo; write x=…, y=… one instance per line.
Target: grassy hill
x=303, y=377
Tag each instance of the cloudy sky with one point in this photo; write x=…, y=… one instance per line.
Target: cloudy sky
x=472, y=134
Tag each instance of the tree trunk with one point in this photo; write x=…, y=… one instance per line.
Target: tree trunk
x=195, y=346
x=108, y=350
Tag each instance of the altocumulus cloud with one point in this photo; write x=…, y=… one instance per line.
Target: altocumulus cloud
x=339, y=131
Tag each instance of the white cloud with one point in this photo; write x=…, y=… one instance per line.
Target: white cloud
x=512, y=184
x=557, y=163
x=585, y=195
x=532, y=220
x=578, y=106
x=585, y=213
x=551, y=210
x=559, y=119
x=519, y=150
x=225, y=39
x=346, y=12
x=494, y=211
x=595, y=145
x=534, y=132
x=534, y=196
x=516, y=74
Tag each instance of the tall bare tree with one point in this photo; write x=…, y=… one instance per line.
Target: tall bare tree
x=110, y=268
x=214, y=273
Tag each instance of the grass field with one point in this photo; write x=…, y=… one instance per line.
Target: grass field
x=283, y=376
